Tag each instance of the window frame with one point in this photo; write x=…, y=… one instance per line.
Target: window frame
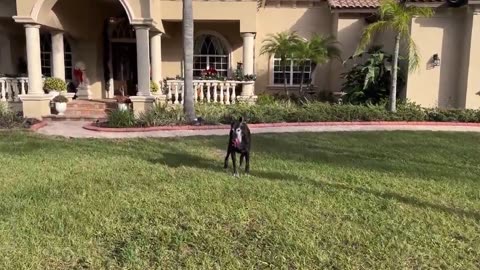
x=210, y=57
x=290, y=72
x=47, y=54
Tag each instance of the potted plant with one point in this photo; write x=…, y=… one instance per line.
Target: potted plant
x=54, y=86
x=154, y=88
x=60, y=104
x=122, y=102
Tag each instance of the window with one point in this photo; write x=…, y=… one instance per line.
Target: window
x=46, y=57
x=46, y=54
x=210, y=52
x=293, y=72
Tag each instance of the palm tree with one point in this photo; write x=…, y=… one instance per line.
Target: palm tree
x=318, y=50
x=396, y=17
x=188, y=104
x=281, y=45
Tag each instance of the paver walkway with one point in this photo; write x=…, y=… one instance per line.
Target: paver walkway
x=74, y=129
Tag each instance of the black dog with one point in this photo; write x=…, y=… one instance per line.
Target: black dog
x=239, y=142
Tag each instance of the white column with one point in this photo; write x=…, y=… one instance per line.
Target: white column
x=58, y=55
x=247, y=94
x=143, y=60
x=156, y=50
x=35, y=84
x=248, y=52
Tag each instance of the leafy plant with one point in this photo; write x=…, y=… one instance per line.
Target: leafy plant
x=281, y=45
x=8, y=118
x=369, y=82
x=54, y=84
x=60, y=99
x=318, y=50
x=121, y=119
x=154, y=87
x=396, y=16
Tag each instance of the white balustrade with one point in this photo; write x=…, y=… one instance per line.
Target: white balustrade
x=209, y=91
x=11, y=88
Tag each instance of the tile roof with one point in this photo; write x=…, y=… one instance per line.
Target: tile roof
x=353, y=3
x=367, y=3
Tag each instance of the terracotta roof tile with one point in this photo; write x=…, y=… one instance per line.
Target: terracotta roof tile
x=353, y=3
x=366, y=3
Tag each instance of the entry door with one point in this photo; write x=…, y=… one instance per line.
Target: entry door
x=124, y=61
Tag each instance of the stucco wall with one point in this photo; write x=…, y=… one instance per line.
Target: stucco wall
x=443, y=35
x=172, y=49
x=305, y=21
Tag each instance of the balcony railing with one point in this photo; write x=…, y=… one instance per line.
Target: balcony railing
x=210, y=91
x=11, y=88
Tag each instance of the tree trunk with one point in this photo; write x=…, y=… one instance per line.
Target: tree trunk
x=393, y=87
x=302, y=76
x=284, y=68
x=188, y=104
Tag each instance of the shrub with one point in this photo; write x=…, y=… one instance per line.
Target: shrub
x=8, y=118
x=54, y=84
x=154, y=87
x=268, y=111
x=60, y=99
x=121, y=119
x=162, y=115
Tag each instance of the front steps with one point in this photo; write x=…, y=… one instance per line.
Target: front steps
x=85, y=110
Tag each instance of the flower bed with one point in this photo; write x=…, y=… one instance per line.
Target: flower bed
x=281, y=112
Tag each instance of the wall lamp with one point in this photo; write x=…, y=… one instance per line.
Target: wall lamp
x=435, y=60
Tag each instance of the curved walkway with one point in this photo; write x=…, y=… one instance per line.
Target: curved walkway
x=74, y=129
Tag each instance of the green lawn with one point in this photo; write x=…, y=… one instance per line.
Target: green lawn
x=394, y=200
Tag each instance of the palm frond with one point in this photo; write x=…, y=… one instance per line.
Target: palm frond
x=414, y=56
x=369, y=32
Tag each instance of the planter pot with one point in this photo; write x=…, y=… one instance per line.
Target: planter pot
x=122, y=106
x=60, y=107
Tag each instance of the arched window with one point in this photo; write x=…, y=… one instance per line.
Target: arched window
x=210, y=52
x=46, y=56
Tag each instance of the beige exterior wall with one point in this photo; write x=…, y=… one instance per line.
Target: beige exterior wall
x=172, y=50
x=305, y=21
x=454, y=84
x=442, y=35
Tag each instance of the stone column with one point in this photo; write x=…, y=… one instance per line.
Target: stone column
x=469, y=79
x=35, y=103
x=58, y=55
x=247, y=94
x=156, y=50
x=144, y=99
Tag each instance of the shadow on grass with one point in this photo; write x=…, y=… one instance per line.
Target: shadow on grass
x=183, y=159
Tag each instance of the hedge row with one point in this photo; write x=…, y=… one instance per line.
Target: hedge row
x=278, y=111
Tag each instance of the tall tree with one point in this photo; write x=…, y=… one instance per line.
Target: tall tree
x=188, y=104
x=396, y=16
x=318, y=50
x=281, y=45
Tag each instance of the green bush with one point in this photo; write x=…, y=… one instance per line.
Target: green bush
x=8, y=118
x=121, y=119
x=154, y=87
x=60, y=99
x=54, y=84
x=162, y=116
x=285, y=111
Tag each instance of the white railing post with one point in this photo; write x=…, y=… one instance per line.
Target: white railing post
x=22, y=86
x=176, y=93
x=234, y=86
x=227, y=101
x=4, y=90
x=208, y=91
x=195, y=91
x=182, y=91
x=215, y=84
x=222, y=99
